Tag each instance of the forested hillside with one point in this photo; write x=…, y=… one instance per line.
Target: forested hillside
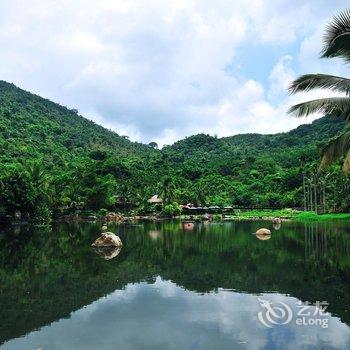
x=254, y=170
x=31, y=126
x=53, y=161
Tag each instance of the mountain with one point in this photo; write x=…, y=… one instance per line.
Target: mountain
x=55, y=161
x=53, y=158
x=32, y=127
x=311, y=137
x=252, y=170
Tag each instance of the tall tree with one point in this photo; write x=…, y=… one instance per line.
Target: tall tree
x=336, y=44
x=167, y=189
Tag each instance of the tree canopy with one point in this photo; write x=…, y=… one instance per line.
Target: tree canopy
x=53, y=162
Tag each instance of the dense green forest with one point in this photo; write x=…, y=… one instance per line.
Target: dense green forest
x=53, y=162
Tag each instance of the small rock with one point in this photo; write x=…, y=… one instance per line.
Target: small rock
x=276, y=226
x=276, y=220
x=263, y=231
x=208, y=217
x=107, y=239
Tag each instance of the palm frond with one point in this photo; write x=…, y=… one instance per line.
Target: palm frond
x=336, y=148
x=337, y=37
x=316, y=81
x=334, y=105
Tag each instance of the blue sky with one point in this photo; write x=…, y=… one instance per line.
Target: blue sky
x=161, y=70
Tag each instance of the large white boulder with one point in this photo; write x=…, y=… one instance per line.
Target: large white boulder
x=107, y=239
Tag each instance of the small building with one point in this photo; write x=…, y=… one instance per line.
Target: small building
x=155, y=200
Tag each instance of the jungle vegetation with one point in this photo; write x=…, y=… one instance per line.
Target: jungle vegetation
x=54, y=162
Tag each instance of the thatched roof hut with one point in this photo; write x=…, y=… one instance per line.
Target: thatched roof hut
x=155, y=200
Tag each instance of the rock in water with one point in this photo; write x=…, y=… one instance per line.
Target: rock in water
x=107, y=239
x=276, y=223
x=276, y=226
x=263, y=237
x=263, y=231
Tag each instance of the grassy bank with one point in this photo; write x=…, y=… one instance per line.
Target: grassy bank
x=310, y=216
x=291, y=214
x=283, y=213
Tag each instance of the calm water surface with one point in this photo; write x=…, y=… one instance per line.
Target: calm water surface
x=174, y=285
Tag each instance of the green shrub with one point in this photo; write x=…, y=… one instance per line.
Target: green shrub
x=172, y=209
x=41, y=214
x=102, y=212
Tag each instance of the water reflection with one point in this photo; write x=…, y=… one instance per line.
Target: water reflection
x=107, y=253
x=205, y=295
x=276, y=225
x=169, y=317
x=154, y=234
x=263, y=237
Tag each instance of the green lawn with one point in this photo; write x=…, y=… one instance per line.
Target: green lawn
x=310, y=216
x=291, y=214
x=287, y=213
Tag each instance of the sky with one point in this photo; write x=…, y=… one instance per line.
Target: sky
x=158, y=71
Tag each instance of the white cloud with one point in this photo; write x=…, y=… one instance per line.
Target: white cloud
x=281, y=77
x=157, y=70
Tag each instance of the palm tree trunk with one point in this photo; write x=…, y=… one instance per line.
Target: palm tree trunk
x=315, y=193
x=310, y=195
x=304, y=192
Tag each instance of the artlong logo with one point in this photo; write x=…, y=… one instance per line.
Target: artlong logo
x=274, y=315
x=280, y=313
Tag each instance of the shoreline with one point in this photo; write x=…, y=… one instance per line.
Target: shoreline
x=283, y=216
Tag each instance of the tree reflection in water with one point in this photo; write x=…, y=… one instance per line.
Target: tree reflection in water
x=46, y=273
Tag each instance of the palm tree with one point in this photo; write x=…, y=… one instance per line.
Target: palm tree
x=167, y=189
x=336, y=44
x=39, y=177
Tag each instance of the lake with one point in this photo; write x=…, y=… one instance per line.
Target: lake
x=176, y=285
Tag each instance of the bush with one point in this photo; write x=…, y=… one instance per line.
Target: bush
x=172, y=209
x=146, y=208
x=41, y=214
x=102, y=212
